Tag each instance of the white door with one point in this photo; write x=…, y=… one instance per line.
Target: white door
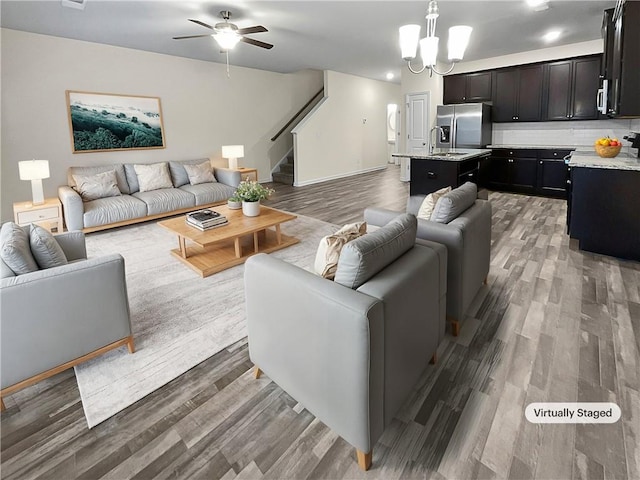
x=417, y=122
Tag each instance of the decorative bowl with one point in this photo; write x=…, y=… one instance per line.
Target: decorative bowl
x=608, y=152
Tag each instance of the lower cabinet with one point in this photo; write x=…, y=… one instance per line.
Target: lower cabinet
x=531, y=171
x=429, y=175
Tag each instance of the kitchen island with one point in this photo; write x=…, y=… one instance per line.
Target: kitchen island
x=443, y=168
x=603, y=209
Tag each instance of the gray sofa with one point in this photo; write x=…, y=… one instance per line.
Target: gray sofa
x=468, y=242
x=351, y=350
x=55, y=318
x=135, y=206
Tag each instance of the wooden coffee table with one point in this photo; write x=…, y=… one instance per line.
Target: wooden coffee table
x=224, y=247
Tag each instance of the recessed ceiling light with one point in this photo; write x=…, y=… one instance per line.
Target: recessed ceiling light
x=538, y=5
x=390, y=76
x=551, y=36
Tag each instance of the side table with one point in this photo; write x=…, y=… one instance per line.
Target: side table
x=48, y=215
x=248, y=173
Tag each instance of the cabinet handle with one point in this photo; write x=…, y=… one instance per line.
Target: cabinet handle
x=540, y=162
x=511, y=160
x=555, y=154
x=470, y=175
x=431, y=175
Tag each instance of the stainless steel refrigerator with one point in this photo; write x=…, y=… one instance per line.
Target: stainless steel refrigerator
x=465, y=125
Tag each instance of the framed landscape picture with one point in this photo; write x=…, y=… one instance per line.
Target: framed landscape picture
x=101, y=122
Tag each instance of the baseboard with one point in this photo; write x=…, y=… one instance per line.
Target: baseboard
x=340, y=175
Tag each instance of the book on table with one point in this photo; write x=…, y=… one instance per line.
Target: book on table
x=209, y=226
x=206, y=219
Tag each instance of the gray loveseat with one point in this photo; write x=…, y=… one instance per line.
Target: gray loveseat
x=352, y=350
x=135, y=206
x=55, y=318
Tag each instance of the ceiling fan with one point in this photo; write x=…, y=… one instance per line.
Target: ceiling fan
x=228, y=34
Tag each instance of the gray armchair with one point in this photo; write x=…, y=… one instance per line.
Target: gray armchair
x=350, y=352
x=468, y=242
x=56, y=318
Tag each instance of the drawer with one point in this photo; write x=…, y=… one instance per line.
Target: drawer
x=514, y=152
x=37, y=215
x=554, y=154
x=471, y=176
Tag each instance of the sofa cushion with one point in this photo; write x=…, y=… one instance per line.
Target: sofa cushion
x=46, y=251
x=121, y=177
x=153, y=176
x=208, y=193
x=166, y=200
x=98, y=185
x=132, y=177
x=104, y=211
x=429, y=203
x=330, y=247
x=179, y=175
x=15, y=250
x=365, y=256
x=200, y=173
x=452, y=204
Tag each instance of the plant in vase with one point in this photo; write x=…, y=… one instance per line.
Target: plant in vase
x=251, y=193
x=234, y=202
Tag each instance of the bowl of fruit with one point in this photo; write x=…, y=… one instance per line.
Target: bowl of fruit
x=608, y=147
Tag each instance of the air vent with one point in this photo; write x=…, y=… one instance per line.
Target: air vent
x=77, y=4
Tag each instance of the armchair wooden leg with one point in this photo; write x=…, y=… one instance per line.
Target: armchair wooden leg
x=455, y=326
x=257, y=372
x=130, y=345
x=364, y=459
x=486, y=280
x=434, y=359
x=2, y=407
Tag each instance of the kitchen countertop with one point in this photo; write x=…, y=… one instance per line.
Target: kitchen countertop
x=590, y=159
x=537, y=147
x=448, y=154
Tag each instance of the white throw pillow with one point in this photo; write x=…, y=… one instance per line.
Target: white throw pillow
x=200, y=173
x=329, y=249
x=429, y=203
x=153, y=176
x=99, y=185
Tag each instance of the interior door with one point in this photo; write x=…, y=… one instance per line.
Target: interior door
x=417, y=122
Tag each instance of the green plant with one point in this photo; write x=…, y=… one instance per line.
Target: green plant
x=249, y=191
x=235, y=198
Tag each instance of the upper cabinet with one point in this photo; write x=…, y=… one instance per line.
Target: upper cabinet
x=571, y=88
x=467, y=88
x=517, y=94
x=622, y=59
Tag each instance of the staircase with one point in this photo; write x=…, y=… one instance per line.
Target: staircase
x=285, y=174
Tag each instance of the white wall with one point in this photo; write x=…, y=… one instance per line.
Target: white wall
x=346, y=133
x=202, y=108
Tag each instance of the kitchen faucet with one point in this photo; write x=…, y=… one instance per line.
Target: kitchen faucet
x=436, y=127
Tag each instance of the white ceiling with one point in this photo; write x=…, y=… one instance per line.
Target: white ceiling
x=356, y=37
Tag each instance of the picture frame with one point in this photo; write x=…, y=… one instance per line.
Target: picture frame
x=100, y=122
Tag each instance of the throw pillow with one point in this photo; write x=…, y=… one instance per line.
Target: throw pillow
x=365, y=256
x=15, y=250
x=99, y=185
x=429, y=202
x=452, y=204
x=201, y=173
x=153, y=176
x=330, y=247
x=46, y=251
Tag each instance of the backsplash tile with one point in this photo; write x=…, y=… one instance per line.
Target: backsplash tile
x=579, y=133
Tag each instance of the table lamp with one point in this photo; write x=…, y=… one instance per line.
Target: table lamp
x=233, y=153
x=34, y=170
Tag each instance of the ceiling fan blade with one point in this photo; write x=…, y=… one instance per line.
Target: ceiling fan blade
x=257, y=43
x=201, y=23
x=191, y=36
x=248, y=30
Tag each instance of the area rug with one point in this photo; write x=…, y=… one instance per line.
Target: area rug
x=179, y=319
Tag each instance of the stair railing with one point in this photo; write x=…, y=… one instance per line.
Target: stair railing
x=297, y=114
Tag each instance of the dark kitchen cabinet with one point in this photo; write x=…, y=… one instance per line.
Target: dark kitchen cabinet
x=571, y=88
x=553, y=173
x=467, y=88
x=512, y=170
x=429, y=175
x=517, y=94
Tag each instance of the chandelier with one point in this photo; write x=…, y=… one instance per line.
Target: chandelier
x=410, y=38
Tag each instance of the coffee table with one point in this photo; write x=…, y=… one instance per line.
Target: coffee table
x=223, y=247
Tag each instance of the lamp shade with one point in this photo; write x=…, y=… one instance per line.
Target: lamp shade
x=409, y=36
x=33, y=169
x=429, y=50
x=458, y=41
x=232, y=151
x=227, y=39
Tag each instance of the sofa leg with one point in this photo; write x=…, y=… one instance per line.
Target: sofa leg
x=455, y=326
x=130, y=345
x=486, y=280
x=2, y=407
x=364, y=459
x=257, y=372
x=434, y=359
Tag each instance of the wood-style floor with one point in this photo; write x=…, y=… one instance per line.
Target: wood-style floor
x=553, y=324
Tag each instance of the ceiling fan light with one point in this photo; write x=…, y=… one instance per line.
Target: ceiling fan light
x=458, y=42
x=227, y=39
x=429, y=50
x=409, y=36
